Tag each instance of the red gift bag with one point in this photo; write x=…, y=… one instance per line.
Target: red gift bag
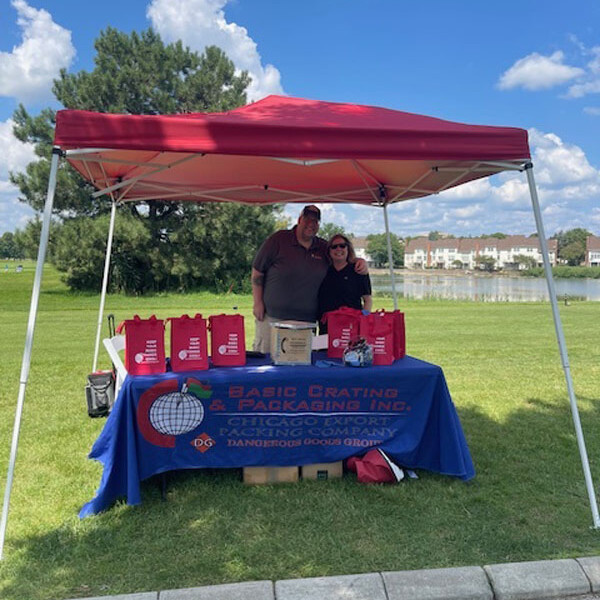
x=144, y=345
x=227, y=340
x=396, y=318
x=399, y=334
x=343, y=324
x=378, y=330
x=189, y=343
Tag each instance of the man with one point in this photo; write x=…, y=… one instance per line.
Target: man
x=286, y=274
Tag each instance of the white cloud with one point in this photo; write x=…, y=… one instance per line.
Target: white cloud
x=14, y=157
x=559, y=162
x=538, y=72
x=13, y=214
x=583, y=89
x=15, y=154
x=467, y=211
x=201, y=23
x=590, y=83
x=468, y=191
x=27, y=72
x=592, y=110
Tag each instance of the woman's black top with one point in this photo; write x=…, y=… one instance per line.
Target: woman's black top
x=342, y=288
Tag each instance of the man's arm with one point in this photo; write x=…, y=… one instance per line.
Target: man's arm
x=258, y=286
x=361, y=267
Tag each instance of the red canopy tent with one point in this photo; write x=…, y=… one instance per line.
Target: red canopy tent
x=284, y=150
x=281, y=150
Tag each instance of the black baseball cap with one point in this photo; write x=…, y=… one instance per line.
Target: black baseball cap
x=311, y=211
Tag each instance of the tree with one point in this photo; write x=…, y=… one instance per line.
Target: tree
x=528, y=261
x=138, y=74
x=486, y=263
x=378, y=250
x=328, y=230
x=571, y=245
x=28, y=239
x=10, y=247
x=573, y=253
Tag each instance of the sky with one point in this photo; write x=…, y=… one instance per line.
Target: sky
x=533, y=64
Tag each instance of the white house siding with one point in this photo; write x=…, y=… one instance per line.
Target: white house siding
x=592, y=251
x=442, y=254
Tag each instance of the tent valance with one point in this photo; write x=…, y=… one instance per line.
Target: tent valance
x=284, y=149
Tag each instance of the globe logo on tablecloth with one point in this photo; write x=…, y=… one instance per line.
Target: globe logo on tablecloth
x=176, y=413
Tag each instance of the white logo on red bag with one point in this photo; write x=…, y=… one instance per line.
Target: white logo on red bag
x=232, y=345
x=150, y=354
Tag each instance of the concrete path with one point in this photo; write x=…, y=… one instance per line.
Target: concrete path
x=573, y=578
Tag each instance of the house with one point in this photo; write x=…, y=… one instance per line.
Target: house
x=515, y=252
x=592, y=251
x=360, y=249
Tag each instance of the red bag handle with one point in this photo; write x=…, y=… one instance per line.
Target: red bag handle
x=378, y=326
x=196, y=316
x=343, y=310
x=137, y=319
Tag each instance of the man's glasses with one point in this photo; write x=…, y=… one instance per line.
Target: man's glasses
x=336, y=246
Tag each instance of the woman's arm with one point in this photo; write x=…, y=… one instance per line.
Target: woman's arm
x=367, y=302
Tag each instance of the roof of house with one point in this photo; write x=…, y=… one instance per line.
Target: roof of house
x=592, y=243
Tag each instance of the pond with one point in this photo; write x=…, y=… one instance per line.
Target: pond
x=483, y=288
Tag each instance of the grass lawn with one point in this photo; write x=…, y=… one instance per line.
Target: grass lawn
x=527, y=502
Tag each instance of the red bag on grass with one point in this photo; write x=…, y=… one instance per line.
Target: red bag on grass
x=374, y=467
x=144, y=345
x=227, y=340
x=189, y=343
x=377, y=329
x=343, y=324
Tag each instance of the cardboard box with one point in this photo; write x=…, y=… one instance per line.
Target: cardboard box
x=332, y=470
x=260, y=475
x=291, y=344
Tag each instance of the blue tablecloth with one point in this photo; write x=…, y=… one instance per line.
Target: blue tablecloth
x=262, y=414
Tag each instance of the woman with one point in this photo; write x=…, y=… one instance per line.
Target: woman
x=342, y=286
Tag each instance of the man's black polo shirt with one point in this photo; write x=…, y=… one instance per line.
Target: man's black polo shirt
x=293, y=275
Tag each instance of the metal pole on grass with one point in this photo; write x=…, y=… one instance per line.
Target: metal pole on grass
x=390, y=256
x=35, y=294
x=111, y=228
x=562, y=347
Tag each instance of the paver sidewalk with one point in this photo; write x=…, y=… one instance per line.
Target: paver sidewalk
x=535, y=580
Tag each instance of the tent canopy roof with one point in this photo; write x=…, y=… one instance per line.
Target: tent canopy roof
x=283, y=149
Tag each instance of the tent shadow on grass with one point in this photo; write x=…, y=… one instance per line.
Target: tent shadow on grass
x=527, y=502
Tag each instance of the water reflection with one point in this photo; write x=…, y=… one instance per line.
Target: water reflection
x=496, y=288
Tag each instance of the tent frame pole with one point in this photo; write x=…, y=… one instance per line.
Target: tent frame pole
x=111, y=229
x=26, y=363
x=562, y=346
x=390, y=256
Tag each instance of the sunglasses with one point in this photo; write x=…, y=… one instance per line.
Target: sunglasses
x=335, y=246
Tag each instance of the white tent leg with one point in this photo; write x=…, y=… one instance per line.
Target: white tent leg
x=111, y=229
x=562, y=347
x=390, y=256
x=35, y=294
